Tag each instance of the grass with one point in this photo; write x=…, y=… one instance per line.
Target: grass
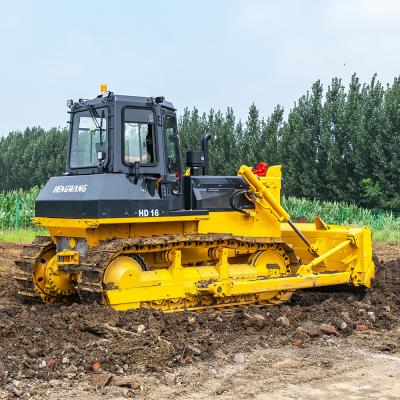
x=386, y=235
x=20, y=235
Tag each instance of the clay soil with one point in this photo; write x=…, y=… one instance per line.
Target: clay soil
x=321, y=345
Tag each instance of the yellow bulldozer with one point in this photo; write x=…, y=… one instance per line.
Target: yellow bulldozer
x=129, y=229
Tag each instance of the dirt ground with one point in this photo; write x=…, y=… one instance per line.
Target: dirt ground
x=321, y=345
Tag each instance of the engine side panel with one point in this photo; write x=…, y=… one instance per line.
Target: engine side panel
x=117, y=196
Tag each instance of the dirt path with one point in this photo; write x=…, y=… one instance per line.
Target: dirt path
x=324, y=344
x=319, y=372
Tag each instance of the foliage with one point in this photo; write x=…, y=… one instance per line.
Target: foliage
x=385, y=225
x=343, y=145
x=335, y=144
x=17, y=208
x=20, y=235
x=341, y=213
x=30, y=158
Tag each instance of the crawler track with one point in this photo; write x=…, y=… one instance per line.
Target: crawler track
x=25, y=266
x=90, y=289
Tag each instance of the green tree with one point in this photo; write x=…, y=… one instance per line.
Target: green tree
x=31, y=157
x=270, y=138
x=248, y=146
x=332, y=142
x=222, y=146
x=300, y=140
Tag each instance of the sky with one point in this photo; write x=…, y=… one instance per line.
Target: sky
x=204, y=53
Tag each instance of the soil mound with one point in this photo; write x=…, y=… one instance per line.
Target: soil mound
x=50, y=342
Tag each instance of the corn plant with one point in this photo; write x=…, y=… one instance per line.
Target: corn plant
x=17, y=208
x=341, y=213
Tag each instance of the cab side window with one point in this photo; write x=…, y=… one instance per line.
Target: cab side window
x=173, y=162
x=138, y=137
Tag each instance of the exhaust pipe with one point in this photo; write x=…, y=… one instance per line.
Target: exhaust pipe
x=204, y=146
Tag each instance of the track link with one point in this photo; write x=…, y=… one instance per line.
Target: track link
x=25, y=267
x=97, y=259
x=91, y=269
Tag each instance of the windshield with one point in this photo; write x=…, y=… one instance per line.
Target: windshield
x=85, y=135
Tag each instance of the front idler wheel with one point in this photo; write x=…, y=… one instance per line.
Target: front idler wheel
x=50, y=283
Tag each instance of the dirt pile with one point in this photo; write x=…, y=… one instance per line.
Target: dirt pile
x=42, y=343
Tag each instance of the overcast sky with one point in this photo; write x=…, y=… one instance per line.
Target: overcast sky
x=203, y=53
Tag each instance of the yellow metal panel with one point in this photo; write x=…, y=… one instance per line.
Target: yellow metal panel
x=141, y=294
x=262, y=192
x=274, y=284
x=95, y=222
x=216, y=222
x=194, y=273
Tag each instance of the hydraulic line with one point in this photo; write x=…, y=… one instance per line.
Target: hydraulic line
x=261, y=192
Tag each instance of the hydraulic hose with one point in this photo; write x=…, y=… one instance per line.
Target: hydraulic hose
x=234, y=197
x=262, y=192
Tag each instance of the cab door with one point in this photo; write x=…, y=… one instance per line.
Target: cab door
x=172, y=151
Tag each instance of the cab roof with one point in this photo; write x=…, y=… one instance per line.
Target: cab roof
x=137, y=101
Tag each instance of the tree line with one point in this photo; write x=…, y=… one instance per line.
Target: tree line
x=338, y=144
x=29, y=158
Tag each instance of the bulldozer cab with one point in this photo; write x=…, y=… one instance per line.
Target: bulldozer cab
x=124, y=134
x=124, y=161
